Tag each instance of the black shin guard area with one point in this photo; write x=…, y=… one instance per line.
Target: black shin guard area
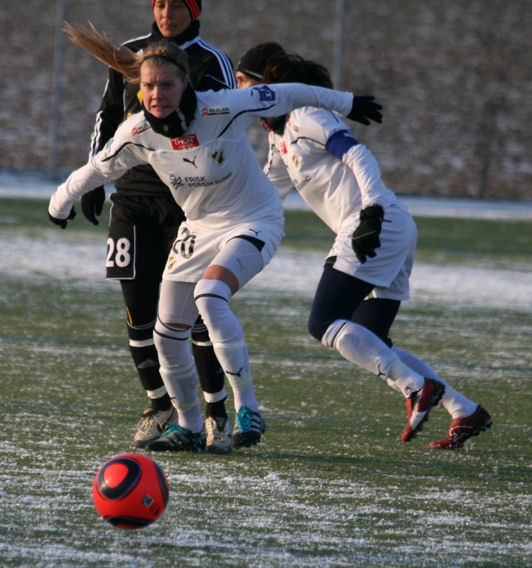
x=210, y=372
x=140, y=298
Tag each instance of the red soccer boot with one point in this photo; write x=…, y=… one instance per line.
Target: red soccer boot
x=418, y=406
x=461, y=429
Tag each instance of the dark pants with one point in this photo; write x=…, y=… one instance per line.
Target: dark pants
x=340, y=296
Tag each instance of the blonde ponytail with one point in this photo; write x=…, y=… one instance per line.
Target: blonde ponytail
x=122, y=59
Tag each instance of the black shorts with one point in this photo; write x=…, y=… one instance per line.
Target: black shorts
x=141, y=233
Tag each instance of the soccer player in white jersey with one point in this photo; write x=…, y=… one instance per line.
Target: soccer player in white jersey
x=145, y=217
x=366, y=274
x=196, y=142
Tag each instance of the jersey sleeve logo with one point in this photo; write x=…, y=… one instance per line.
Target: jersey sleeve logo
x=143, y=126
x=214, y=110
x=185, y=142
x=264, y=92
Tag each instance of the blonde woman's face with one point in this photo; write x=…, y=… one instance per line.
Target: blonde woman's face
x=162, y=88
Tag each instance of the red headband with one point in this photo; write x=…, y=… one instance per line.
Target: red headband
x=192, y=6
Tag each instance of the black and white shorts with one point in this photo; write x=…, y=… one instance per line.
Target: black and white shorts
x=141, y=233
x=195, y=249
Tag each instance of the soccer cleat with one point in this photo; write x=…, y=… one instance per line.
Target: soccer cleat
x=175, y=438
x=151, y=425
x=218, y=432
x=249, y=425
x=461, y=429
x=418, y=407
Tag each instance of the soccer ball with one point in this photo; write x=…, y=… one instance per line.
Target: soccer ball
x=130, y=491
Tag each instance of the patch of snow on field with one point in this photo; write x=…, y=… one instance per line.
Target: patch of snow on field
x=51, y=257
x=289, y=270
x=455, y=285
x=447, y=207
x=482, y=287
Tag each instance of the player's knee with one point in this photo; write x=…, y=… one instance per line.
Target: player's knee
x=140, y=299
x=172, y=344
x=212, y=299
x=140, y=333
x=200, y=334
x=317, y=326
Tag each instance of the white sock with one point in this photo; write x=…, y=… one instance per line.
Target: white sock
x=212, y=300
x=362, y=347
x=456, y=404
x=179, y=374
x=234, y=355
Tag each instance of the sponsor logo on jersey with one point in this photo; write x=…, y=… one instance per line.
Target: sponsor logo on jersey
x=264, y=92
x=189, y=161
x=214, y=110
x=299, y=185
x=296, y=160
x=218, y=157
x=202, y=181
x=176, y=181
x=185, y=142
x=136, y=130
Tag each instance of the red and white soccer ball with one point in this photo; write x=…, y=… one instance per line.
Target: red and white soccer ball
x=130, y=491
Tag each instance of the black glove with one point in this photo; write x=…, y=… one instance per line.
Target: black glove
x=92, y=204
x=365, y=239
x=62, y=222
x=364, y=109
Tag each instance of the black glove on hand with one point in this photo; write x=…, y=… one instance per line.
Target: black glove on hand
x=92, y=204
x=364, y=109
x=62, y=222
x=365, y=239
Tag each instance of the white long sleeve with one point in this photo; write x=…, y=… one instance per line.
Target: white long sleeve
x=368, y=175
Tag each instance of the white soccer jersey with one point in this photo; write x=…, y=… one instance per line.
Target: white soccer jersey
x=212, y=170
x=335, y=190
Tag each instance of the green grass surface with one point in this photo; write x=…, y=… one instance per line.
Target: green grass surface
x=331, y=484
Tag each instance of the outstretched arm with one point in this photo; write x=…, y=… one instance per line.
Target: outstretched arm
x=281, y=98
x=80, y=181
x=113, y=161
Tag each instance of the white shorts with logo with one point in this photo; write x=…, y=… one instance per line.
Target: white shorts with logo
x=390, y=269
x=195, y=250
